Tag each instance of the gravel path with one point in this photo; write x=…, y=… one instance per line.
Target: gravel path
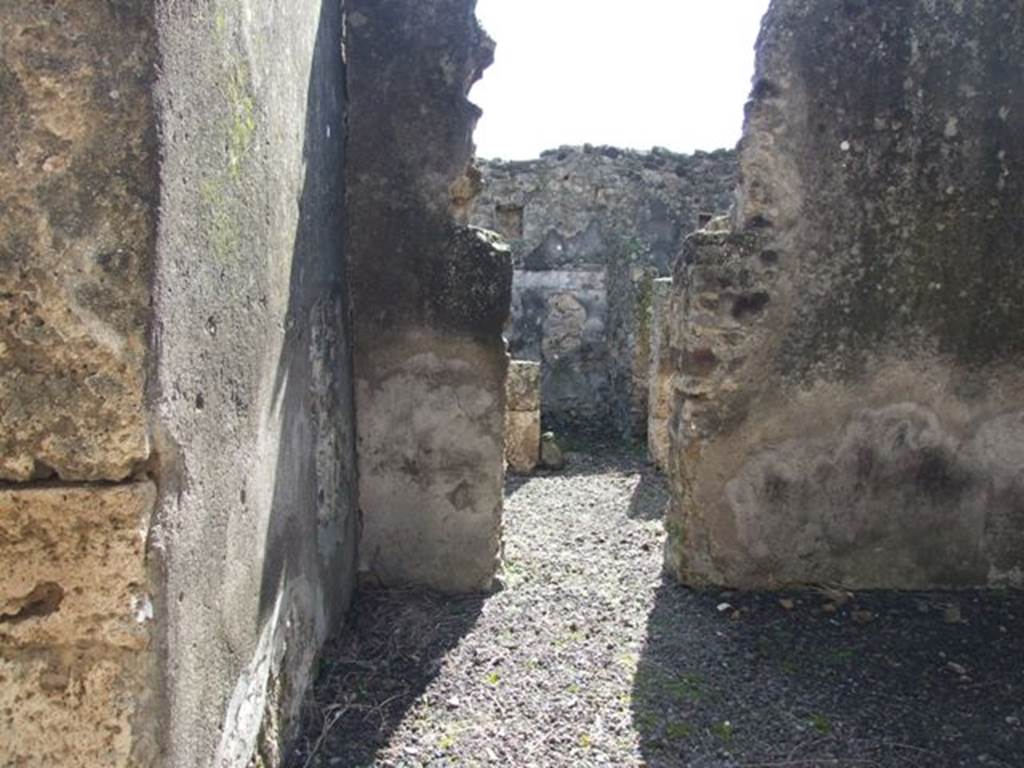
x=587, y=657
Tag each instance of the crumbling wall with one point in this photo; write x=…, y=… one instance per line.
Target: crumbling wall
x=849, y=386
x=430, y=298
x=589, y=229
x=176, y=431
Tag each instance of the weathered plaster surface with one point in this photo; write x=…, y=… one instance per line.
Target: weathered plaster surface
x=430, y=298
x=253, y=407
x=589, y=228
x=432, y=445
x=848, y=357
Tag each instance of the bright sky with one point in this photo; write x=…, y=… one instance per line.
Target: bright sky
x=641, y=73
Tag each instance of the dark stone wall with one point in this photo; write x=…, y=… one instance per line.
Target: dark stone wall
x=430, y=298
x=410, y=141
x=914, y=218
x=849, y=395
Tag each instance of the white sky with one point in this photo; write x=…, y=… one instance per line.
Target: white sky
x=633, y=73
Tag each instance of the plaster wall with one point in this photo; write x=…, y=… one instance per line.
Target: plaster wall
x=251, y=379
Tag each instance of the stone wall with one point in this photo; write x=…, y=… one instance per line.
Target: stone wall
x=848, y=356
x=176, y=431
x=561, y=317
x=430, y=300
x=252, y=391
x=589, y=229
x=78, y=188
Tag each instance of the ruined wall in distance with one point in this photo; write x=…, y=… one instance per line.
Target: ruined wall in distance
x=251, y=386
x=589, y=228
x=848, y=357
x=430, y=298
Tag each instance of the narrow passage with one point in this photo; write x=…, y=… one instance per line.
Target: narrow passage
x=586, y=656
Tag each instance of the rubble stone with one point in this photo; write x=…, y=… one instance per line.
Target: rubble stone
x=551, y=454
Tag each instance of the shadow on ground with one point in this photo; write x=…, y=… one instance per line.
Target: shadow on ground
x=651, y=497
x=886, y=680
x=391, y=649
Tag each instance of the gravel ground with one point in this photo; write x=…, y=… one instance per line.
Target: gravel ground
x=587, y=657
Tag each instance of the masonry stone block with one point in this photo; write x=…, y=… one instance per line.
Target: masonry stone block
x=523, y=387
x=522, y=418
x=659, y=382
x=73, y=707
x=78, y=184
x=76, y=566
